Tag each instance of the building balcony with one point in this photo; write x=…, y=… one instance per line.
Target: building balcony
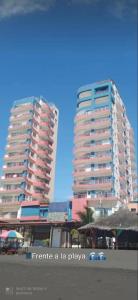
x=35, y=129
x=49, y=130
x=135, y=185
x=93, y=160
x=46, y=137
x=106, y=186
x=20, y=117
x=36, y=119
x=40, y=185
x=42, y=153
x=134, y=176
x=44, y=115
x=18, y=128
x=132, y=148
x=15, y=179
x=14, y=158
x=121, y=155
x=93, y=125
x=18, y=137
x=120, y=126
x=135, y=195
x=44, y=125
x=131, y=139
x=122, y=168
x=16, y=147
x=133, y=166
x=41, y=163
x=121, y=146
x=95, y=173
x=12, y=192
x=94, y=114
x=94, y=136
x=21, y=108
x=97, y=198
x=45, y=145
x=45, y=108
x=123, y=194
x=42, y=174
x=120, y=117
x=38, y=196
x=120, y=107
x=43, y=133
x=14, y=169
x=122, y=178
x=95, y=148
x=132, y=155
x=34, y=139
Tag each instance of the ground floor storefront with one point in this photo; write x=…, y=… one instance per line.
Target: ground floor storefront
x=53, y=234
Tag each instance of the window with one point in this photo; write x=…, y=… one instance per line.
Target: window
x=102, y=89
x=85, y=103
x=85, y=94
x=101, y=100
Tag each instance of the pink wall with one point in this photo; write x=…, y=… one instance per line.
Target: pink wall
x=78, y=205
x=28, y=203
x=30, y=218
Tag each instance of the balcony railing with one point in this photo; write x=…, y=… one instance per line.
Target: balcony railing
x=90, y=187
x=42, y=153
x=93, y=114
x=93, y=125
x=99, y=198
x=94, y=148
x=20, y=117
x=41, y=174
x=42, y=164
x=12, y=179
x=19, y=127
x=16, y=157
x=21, y=108
x=40, y=184
x=44, y=116
x=17, y=146
x=94, y=136
x=43, y=143
x=95, y=173
x=38, y=196
x=16, y=169
x=91, y=160
x=119, y=107
x=18, y=137
x=11, y=192
x=44, y=124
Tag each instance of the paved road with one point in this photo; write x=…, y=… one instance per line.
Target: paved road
x=29, y=279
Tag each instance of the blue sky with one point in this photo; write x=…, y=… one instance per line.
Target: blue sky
x=51, y=48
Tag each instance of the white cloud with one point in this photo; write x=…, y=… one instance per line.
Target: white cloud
x=124, y=8
x=86, y=2
x=9, y=8
x=117, y=8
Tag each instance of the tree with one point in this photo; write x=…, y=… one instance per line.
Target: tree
x=86, y=216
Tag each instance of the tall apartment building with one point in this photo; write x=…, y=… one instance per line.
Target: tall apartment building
x=29, y=162
x=104, y=154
